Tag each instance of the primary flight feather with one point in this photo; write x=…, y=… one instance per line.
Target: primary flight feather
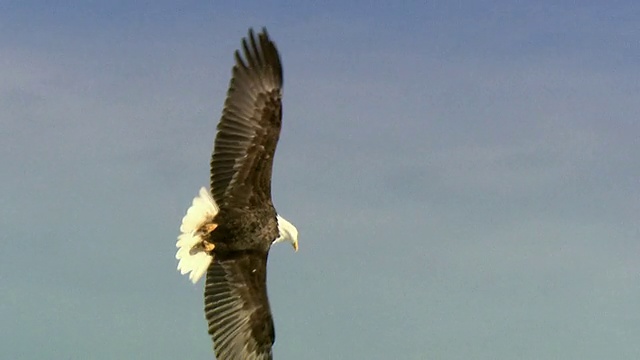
x=227, y=232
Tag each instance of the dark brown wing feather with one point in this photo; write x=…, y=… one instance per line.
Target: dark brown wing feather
x=237, y=308
x=249, y=129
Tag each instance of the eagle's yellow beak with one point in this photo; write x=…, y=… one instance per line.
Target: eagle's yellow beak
x=295, y=245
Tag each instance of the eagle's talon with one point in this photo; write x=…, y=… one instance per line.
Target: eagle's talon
x=207, y=246
x=206, y=229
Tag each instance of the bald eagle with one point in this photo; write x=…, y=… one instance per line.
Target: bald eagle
x=227, y=232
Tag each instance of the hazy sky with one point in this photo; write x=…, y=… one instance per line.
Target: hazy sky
x=465, y=177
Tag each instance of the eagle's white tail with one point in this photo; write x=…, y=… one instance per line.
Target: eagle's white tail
x=203, y=209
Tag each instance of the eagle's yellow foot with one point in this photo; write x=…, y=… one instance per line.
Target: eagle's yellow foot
x=207, y=246
x=202, y=246
x=206, y=229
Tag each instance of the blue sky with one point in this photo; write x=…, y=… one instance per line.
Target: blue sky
x=464, y=176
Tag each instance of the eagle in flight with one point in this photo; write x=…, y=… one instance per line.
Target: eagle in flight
x=228, y=231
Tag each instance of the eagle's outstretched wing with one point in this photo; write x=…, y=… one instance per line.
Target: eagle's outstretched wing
x=249, y=129
x=237, y=308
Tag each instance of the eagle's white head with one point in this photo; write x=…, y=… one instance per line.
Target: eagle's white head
x=287, y=232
